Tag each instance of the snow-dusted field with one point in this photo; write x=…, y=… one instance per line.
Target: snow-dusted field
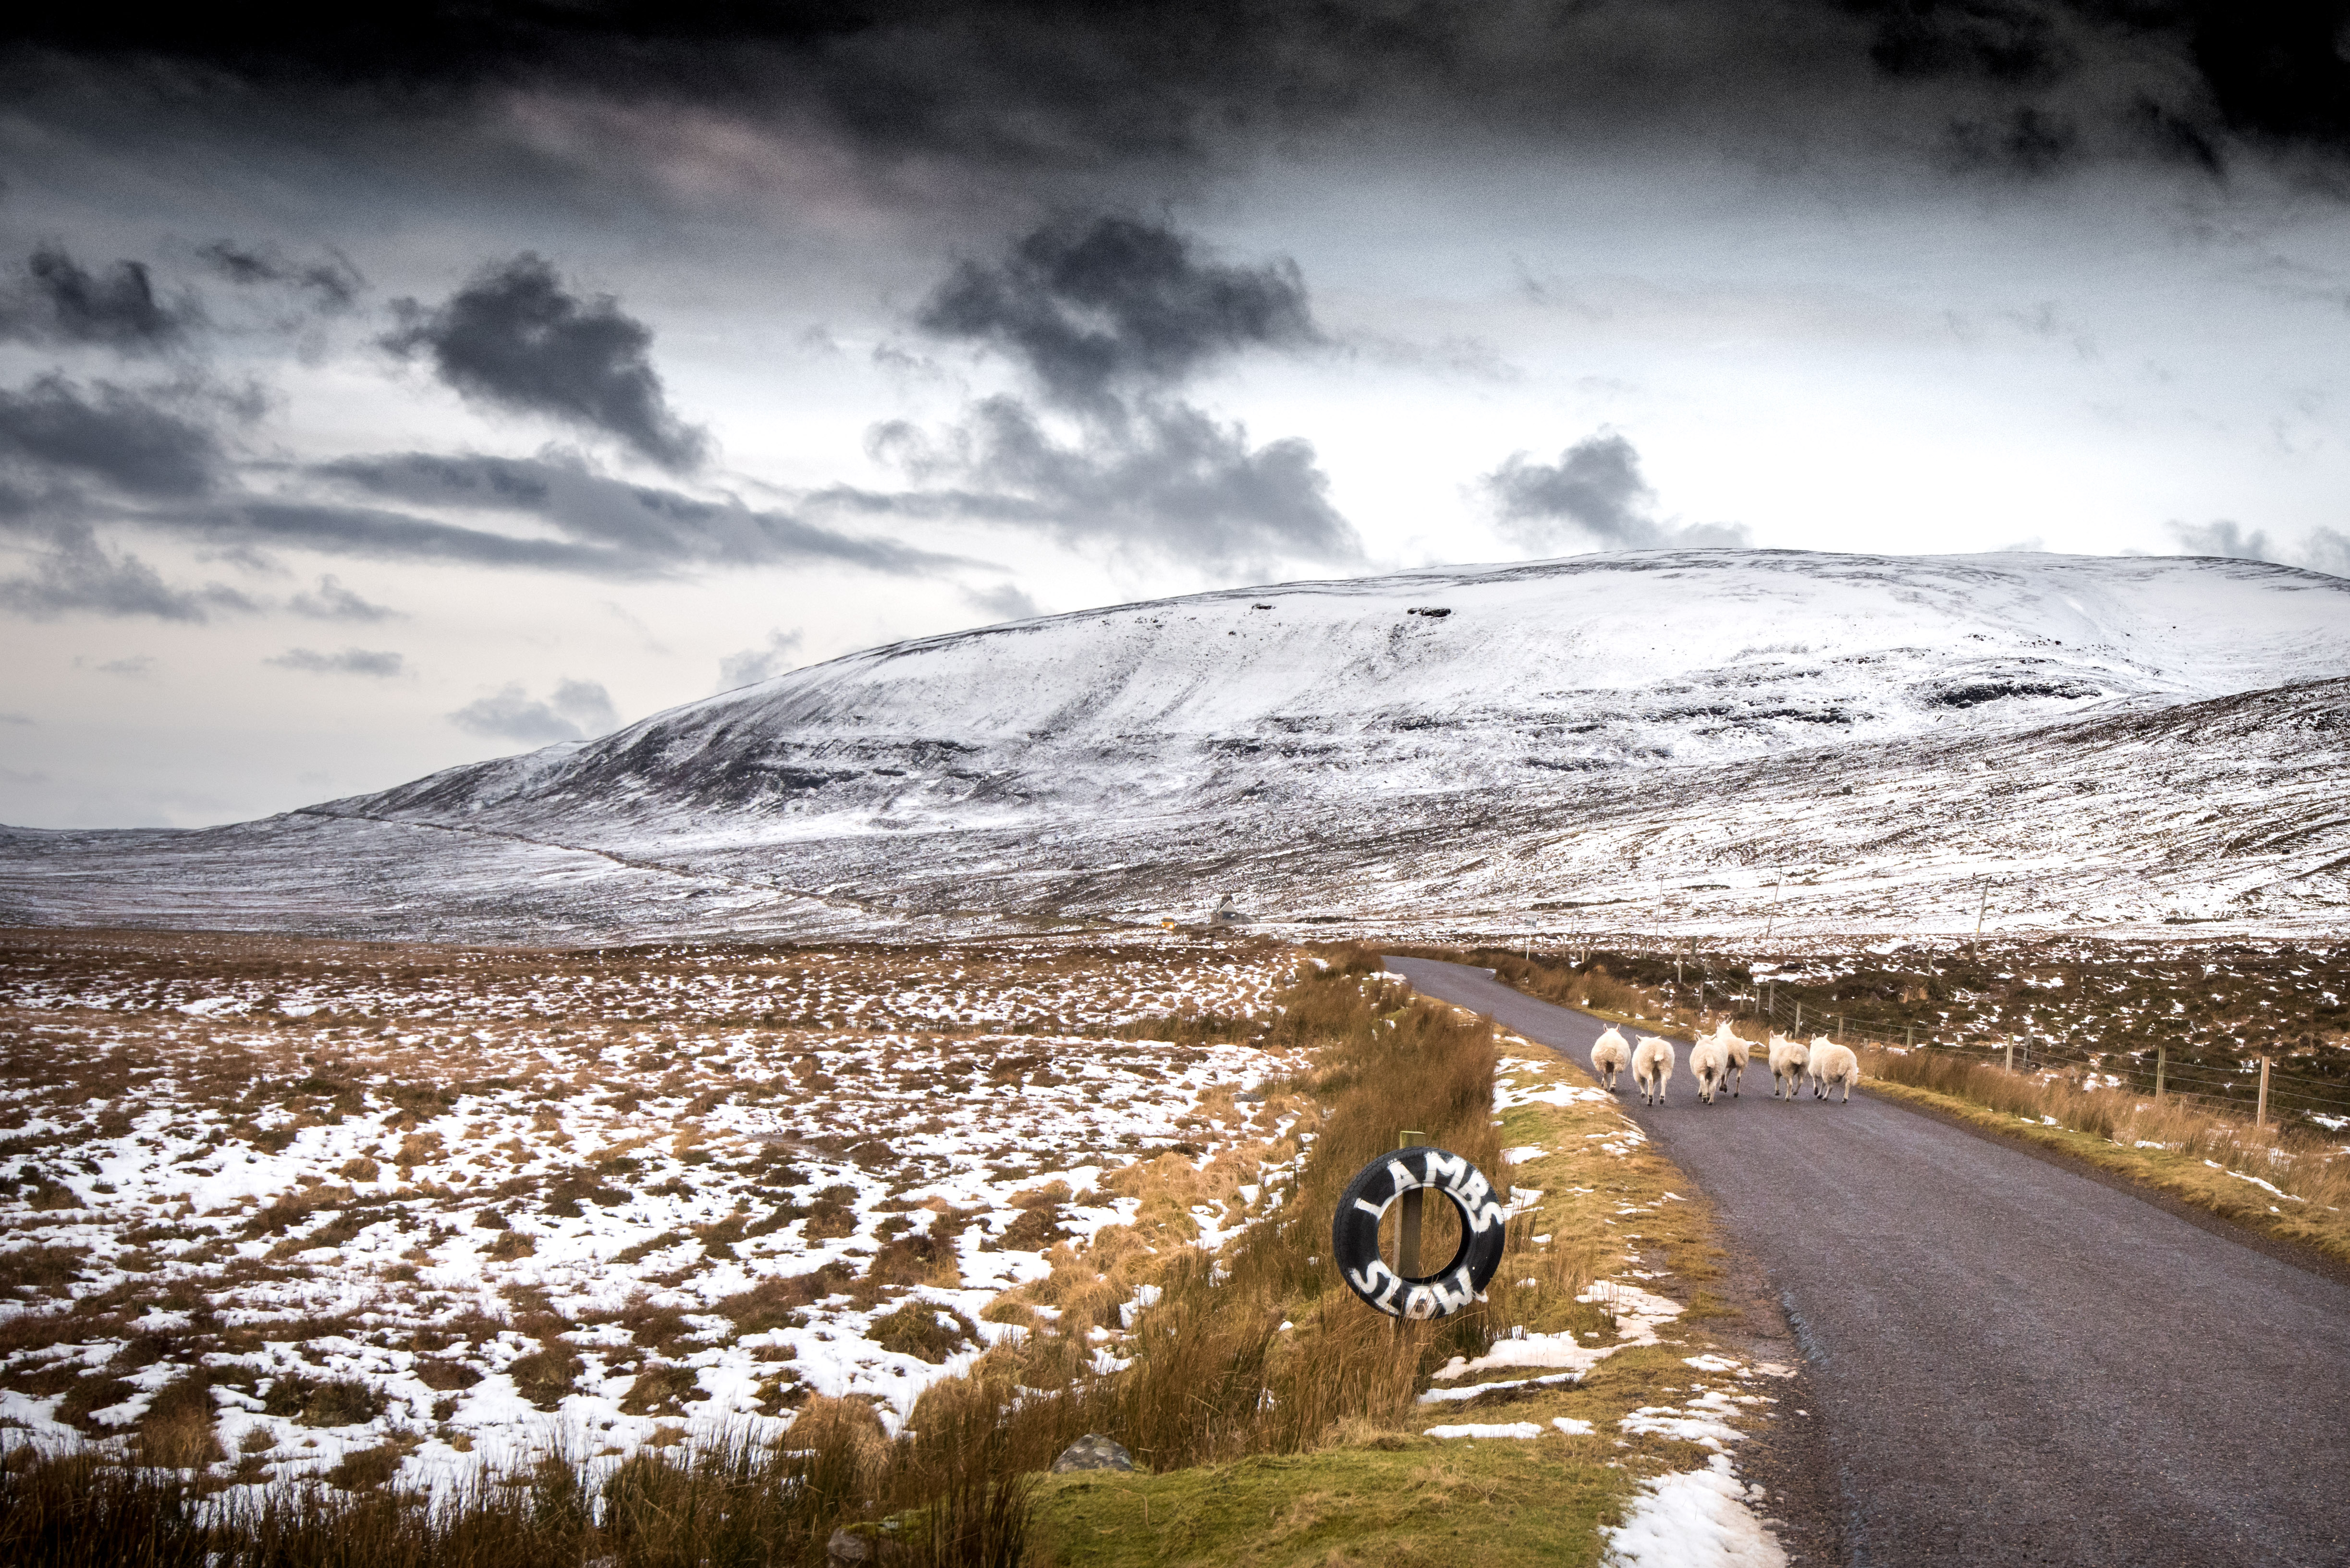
x=1674, y=739
x=419, y=1207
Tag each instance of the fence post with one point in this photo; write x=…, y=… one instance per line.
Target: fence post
x=2011, y=1052
x=2161, y=1060
x=1799, y=1018
x=1909, y=1038
x=2260, y=1116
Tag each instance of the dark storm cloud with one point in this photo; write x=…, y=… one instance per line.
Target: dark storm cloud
x=1038, y=85
x=349, y=661
x=516, y=338
x=633, y=529
x=1165, y=477
x=58, y=301
x=330, y=284
x=106, y=433
x=78, y=574
x=1095, y=309
x=1594, y=493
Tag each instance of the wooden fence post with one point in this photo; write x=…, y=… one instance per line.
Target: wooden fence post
x=2011, y=1052
x=2161, y=1060
x=1408, y=1222
x=2260, y=1116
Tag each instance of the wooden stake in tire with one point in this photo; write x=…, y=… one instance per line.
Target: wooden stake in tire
x=1408, y=1218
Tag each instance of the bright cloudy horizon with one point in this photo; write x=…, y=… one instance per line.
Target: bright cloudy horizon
x=442, y=383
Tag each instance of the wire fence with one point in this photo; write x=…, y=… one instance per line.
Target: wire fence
x=2229, y=1090
x=2233, y=1090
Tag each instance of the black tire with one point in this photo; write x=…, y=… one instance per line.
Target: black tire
x=1355, y=1232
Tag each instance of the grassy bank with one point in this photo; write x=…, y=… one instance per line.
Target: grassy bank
x=2283, y=1182
x=1375, y=1487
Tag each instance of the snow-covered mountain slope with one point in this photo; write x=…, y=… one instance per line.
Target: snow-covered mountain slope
x=1655, y=733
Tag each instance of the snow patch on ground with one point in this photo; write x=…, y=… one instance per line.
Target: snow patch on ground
x=1694, y=1519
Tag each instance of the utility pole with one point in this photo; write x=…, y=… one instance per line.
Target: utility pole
x=1773, y=917
x=1981, y=909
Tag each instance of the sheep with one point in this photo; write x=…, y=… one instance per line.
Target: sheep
x=1710, y=1064
x=1736, y=1049
x=1787, y=1059
x=1830, y=1064
x=1609, y=1054
x=1652, y=1068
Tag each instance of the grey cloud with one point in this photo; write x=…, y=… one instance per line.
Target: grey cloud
x=398, y=535
x=78, y=574
x=133, y=667
x=1095, y=309
x=60, y=301
x=2326, y=550
x=1167, y=479
x=330, y=283
x=107, y=433
x=516, y=338
x=2221, y=538
x=1005, y=601
x=15, y=719
x=2323, y=550
x=349, y=661
x=577, y=709
x=1594, y=492
x=335, y=602
x=764, y=663
x=627, y=529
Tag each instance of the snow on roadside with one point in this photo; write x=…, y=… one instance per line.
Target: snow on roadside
x=1693, y=1519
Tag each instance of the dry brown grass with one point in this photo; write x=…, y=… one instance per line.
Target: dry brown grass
x=1262, y=1349
x=2301, y=1165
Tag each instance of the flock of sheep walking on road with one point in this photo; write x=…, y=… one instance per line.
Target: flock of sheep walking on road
x=1719, y=1060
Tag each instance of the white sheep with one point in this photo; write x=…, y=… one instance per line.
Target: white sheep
x=1652, y=1068
x=1830, y=1064
x=1736, y=1048
x=1787, y=1060
x=1710, y=1064
x=1609, y=1054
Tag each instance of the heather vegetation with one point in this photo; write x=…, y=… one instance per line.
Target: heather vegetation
x=862, y=1278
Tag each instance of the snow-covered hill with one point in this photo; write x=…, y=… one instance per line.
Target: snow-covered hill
x=1656, y=736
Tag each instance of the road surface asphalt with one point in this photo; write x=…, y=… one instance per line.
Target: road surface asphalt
x=2015, y=1364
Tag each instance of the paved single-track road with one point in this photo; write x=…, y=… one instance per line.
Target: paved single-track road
x=2016, y=1364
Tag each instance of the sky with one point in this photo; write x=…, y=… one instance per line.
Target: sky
x=431, y=382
